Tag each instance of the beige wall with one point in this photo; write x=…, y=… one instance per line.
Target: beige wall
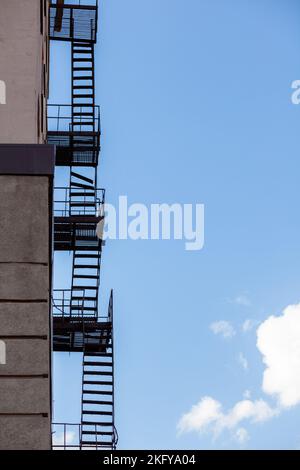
x=23, y=54
x=25, y=273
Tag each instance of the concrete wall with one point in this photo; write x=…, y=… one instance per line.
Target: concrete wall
x=25, y=285
x=24, y=61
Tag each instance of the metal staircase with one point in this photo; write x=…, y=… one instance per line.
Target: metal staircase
x=98, y=427
x=85, y=132
x=86, y=276
x=78, y=209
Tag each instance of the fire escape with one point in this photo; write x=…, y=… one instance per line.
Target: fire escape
x=78, y=223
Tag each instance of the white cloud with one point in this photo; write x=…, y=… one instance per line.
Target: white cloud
x=207, y=416
x=243, y=361
x=278, y=340
x=206, y=412
x=223, y=328
x=242, y=435
x=59, y=439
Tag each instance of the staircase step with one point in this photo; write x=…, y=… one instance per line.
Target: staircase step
x=83, y=95
x=82, y=177
x=101, y=382
x=93, y=423
x=83, y=77
x=82, y=59
x=83, y=255
x=98, y=433
x=97, y=402
x=83, y=114
x=86, y=266
x=100, y=364
x=83, y=123
x=85, y=148
x=86, y=194
x=81, y=185
x=79, y=50
x=82, y=308
x=87, y=287
x=94, y=412
x=83, y=50
x=96, y=372
x=97, y=392
x=81, y=44
x=80, y=106
x=76, y=299
x=83, y=204
x=93, y=354
x=89, y=144
x=82, y=69
x=96, y=444
x=82, y=87
x=85, y=276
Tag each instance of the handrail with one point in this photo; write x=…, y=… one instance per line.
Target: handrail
x=76, y=4
x=62, y=303
x=64, y=121
x=89, y=202
x=68, y=436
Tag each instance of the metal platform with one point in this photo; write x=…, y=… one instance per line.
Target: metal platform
x=74, y=20
x=75, y=131
x=68, y=436
x=78, y=335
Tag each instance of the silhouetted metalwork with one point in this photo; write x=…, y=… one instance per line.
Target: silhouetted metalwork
x=74, y=21
x=78, y=213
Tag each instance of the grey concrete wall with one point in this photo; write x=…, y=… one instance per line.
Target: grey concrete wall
x=32, y=432
x=21, y=241
x=24, y=394
x=26, y=357
x=22, y=281
x=25, y=273
x=29, y=319
x=23, y=53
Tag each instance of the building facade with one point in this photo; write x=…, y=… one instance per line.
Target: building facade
x=38, y=220
x=26, y=185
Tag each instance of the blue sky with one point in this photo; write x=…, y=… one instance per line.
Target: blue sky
x=196, y=108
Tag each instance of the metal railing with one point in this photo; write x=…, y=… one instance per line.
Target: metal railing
x=78, y=202
x=61, y=302
x=110, y=313
x=60, y=119
x=67, y=436
x=88, y=3
x=75, y=19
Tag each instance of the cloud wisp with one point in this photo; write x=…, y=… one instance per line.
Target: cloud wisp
x=223, y=328
x=242, y=300
x=249, y=324
x=243, y=361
